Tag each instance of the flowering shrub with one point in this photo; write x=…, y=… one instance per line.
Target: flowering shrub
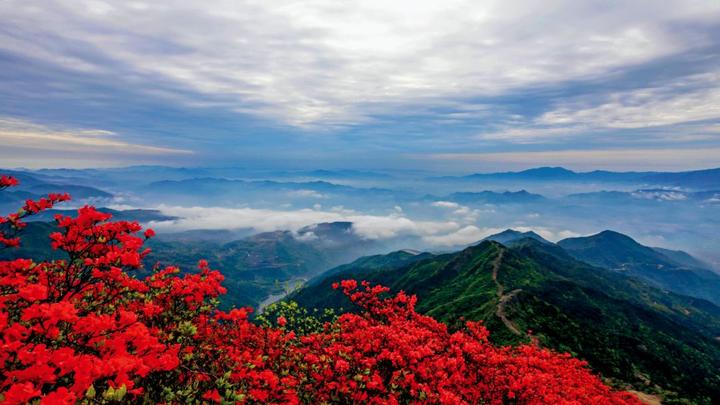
x=85, y=329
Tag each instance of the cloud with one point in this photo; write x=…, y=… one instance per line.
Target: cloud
x=306, y=194
x=446, y=204
x=463, y=236
x=660, y=195
x=323, y=62
x=265, y=220
x=693, y=99
x=438, y=233
x=360, y=84
x=40, y=140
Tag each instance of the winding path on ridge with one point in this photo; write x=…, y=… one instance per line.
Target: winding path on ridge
x=503, y=298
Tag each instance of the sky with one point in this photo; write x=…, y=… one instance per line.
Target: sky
x=451, y=85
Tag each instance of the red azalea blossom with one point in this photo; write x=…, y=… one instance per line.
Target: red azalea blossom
x=213, y=396
x=90, y=329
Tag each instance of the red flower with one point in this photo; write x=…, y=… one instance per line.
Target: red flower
x=8, y=181
x=213, y=395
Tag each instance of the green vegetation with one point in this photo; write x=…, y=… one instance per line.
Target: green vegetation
x=671, y=270
x=629, y=332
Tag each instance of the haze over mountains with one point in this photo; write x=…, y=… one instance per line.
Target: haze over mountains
x=656, y=208
x=378, y=212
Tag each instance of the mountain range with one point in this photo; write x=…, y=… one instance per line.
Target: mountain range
x=630, y=332
x=701, y=179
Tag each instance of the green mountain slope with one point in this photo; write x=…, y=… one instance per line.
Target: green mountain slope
x=671, y=270
x=627, y=330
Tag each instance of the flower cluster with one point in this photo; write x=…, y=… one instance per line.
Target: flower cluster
x=89, y=329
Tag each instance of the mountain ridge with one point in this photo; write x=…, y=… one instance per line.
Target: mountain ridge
x=596, y=314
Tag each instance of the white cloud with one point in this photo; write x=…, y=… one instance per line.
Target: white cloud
x=340, y=63
x=463, y=236
x=678, y=107
x=264, y=220
x=33, y=138
x=306, y=194
x=446, y=204
x=695, y=98
x=440, y=233
x=660, y=195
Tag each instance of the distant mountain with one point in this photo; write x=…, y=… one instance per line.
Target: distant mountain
x=344, y=174
x=542, y=173
x=508, y=236
x=39, y=184
x=671, y=270
x=340, y=232
x=706, y=179
x=625, y=329
x=267, y=263
x=229, y=192
x=556, y=174
x=492, y=197
x=76, y=191
x=682, y=258
x=10, y=201
x=698, y=179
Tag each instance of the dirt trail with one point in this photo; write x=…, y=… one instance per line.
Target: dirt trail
x=647, y=398
x=503, y=298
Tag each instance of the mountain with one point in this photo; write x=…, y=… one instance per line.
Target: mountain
x=33, y=188
x=266, y=264
x=673, y=271
x=704, y=179
x=508, y=236
x=697, y=179
x=376, y=263
x=228, y=192
x=344, y=174
x=76, y=191
x=682, y=258
x=540, y=173
x=556, y=174
x=628, y=331
x=491, y=197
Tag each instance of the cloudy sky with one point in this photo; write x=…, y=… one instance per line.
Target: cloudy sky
x=443, y=85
